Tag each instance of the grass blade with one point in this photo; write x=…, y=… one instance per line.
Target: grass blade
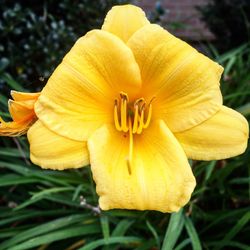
x=112, y=240
x=154, y=233
x=122, y=227
x=195, y=241
x=105, y=226
x=240, y=224
x=44, y=228
x=174, y=229
x=58, y=235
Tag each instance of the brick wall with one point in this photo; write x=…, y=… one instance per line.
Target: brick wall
x=181, y=12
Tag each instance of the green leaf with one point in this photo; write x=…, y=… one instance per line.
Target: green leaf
x=105, y=226
x=112, y=240
x=122, y=227
x=147, y=245
x=183, y=244
x=13, y=152
x=12, y=83
x=50, y=191
x=28, y=214
x=44, y=228
x=236, y=229
x=209, y=169
x=174, y=229
x=77, y=192
x=224, y=216
x=154, y=233
x=57, y=235
x=13, y=179
x=231, y=244
x=4, y=101
x=243, y=180
x=195, y=241
x=245, y=109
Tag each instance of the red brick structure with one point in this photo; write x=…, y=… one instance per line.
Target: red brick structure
x=181, y=18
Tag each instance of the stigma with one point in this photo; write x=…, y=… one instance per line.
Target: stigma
x=132, y=117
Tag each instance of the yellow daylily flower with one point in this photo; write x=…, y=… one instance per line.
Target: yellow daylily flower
x=22, y=112
x=135, y=102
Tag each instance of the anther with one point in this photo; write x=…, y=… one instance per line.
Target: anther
x=124, y=115
x=123, y=95
x=149, y=115
x=146, y=124
x=143, y=106
x=152, y=99
x=116, y=118
x=137, y=102
x=141, y=122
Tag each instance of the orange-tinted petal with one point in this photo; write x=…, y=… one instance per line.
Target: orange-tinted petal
x=19, y=110
x=22, y=113
x=13, y=129
x=23, y=96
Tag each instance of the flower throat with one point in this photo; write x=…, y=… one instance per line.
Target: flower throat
x=131, y=118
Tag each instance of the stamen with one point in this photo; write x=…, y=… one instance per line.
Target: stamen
x=142, y=107
x=149, y=115
x=123, y=95
x=131, y=144
x=135, y=124
x=132, y=120
x=124, y=115
x=138, y=115
x=141, y=122
x=116, y=118
x=137, y=102
x=146, y=124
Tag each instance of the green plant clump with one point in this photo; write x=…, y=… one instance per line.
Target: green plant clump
x=229, y=20
x=35, y=35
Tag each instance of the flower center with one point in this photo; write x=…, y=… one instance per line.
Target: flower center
x=131, y=118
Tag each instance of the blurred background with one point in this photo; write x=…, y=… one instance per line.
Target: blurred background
x=50, y=210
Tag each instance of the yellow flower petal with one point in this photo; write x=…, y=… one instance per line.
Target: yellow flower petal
x=22, y=96
x=161, y=178
x=123, y=21
x=222, y=136
x=185, y=82
x=50, y=150
x=79, y=96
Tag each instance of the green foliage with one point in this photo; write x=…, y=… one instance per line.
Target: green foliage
x=229, y=20
x=236, y=77
x=42, y=209
x=38, y=208
x=35, y=35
